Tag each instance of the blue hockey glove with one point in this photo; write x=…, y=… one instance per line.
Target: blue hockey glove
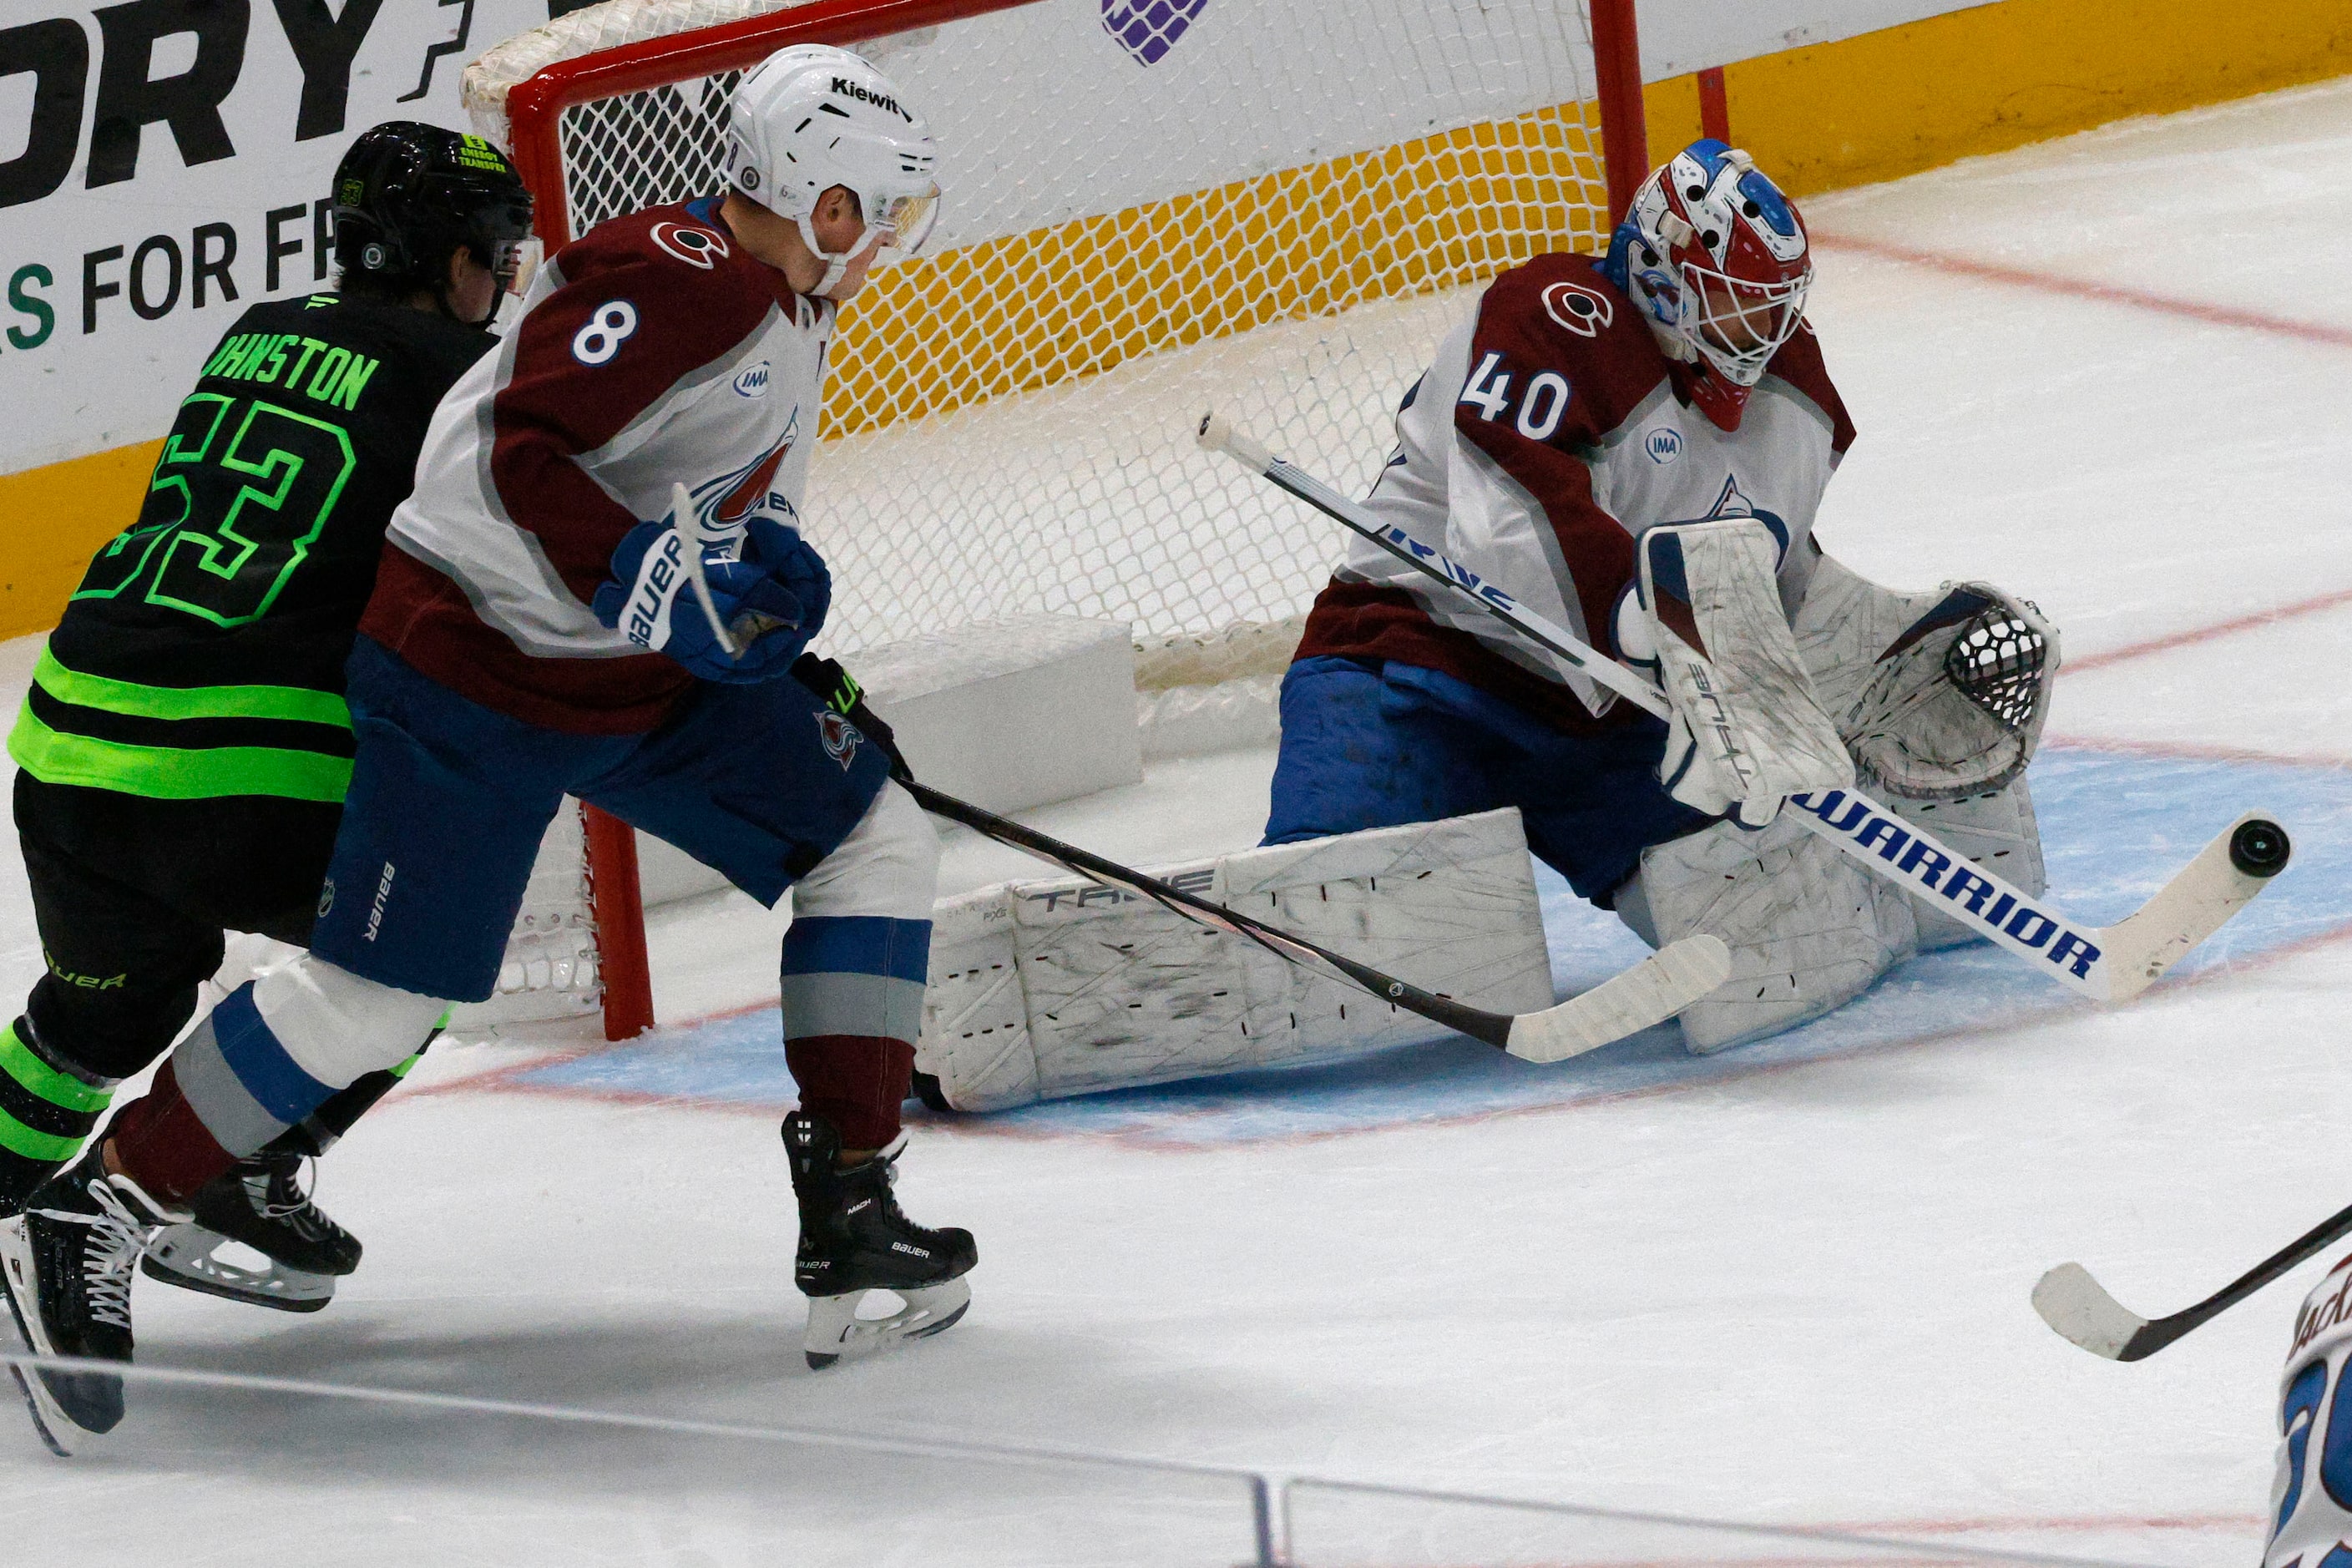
x=772, y=602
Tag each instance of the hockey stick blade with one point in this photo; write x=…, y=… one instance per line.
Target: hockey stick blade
x=2113, y=964
x=2222, y=880
x=1650, y=993
x=2079, y=1309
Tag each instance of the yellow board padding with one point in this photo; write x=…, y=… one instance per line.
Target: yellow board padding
x=52, y=520
x=1060, y=304
x=1995, y=76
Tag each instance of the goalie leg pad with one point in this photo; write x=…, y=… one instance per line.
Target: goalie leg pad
x=1748, y=726
x=1045, y=989
x=1808, y=929
x=1940, y=695
x=1994, y=828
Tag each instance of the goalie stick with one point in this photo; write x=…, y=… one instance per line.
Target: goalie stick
x=1652, y=991
x=2106, y=963
x=2079, y=1309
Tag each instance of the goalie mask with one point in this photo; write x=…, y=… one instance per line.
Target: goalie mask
x=1716, y=258
x=811, y=117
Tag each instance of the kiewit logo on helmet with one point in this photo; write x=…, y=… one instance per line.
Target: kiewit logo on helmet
x=849, y=88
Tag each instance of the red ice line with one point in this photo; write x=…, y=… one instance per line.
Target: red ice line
x=2083, y=289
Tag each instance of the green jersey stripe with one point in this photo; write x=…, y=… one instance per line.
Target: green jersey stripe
x=45, y=1082
x=168, y=773
x=129, y=696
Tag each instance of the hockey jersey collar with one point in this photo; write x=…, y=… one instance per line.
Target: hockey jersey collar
x=801, y=307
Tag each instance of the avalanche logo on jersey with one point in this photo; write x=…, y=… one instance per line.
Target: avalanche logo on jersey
x=840, y=737
x=1731, y=503
x=699, y=247
x=1581, y=311
x=746, y=492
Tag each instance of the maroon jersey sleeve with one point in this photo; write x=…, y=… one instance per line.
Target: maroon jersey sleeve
x=606, y=349
x=1557, y=359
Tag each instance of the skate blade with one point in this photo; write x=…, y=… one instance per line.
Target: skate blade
x=187, y=1255
x=50, y=1418
x=836, y=1331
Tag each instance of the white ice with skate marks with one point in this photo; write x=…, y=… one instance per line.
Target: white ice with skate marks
x=1795, y=1295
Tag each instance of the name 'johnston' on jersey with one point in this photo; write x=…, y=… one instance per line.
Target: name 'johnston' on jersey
x=1546, y=435
x=655, y=350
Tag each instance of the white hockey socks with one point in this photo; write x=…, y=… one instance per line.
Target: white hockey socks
x=1044, y=989
x=1747, y=728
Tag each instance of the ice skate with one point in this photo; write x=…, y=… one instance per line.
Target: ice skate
x=259, y=1202
x=855, y=1241
x=66, y=1265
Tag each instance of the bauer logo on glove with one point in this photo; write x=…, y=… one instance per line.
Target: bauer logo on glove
x=757, y=602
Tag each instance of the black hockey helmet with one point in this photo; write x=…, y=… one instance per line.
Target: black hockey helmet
x=407, y=195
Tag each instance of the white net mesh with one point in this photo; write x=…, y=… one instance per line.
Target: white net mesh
x=1146, y=216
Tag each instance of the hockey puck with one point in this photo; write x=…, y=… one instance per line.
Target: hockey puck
x=2259, y=848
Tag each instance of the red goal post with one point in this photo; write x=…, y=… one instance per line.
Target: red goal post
x=633, y=123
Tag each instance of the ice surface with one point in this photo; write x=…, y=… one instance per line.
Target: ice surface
x=1787, y=1284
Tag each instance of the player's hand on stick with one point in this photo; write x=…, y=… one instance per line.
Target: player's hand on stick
x=723, y=618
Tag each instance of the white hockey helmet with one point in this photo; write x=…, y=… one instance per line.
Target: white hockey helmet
x=811, y=117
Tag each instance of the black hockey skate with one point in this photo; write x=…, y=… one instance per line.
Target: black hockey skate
x=65, y=1263
x=258, y=1202
x=854, y=1239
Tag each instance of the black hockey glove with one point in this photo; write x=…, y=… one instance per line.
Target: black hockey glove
x=838, y=689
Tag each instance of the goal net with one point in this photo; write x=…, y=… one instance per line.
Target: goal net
x=1151, y=207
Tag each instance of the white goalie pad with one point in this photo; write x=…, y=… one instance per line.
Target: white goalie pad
x=1941, y=694
x=1748, y=726
x=1996, y=829
x=1044, y=989
x=1808, y=930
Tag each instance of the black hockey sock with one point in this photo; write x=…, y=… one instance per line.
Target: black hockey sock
x=46, y=1113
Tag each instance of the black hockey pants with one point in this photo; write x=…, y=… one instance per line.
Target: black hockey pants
x=133, y=897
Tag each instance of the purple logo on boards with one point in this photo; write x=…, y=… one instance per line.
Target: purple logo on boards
x=1149, y=28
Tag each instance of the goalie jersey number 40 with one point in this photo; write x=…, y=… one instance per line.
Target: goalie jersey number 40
x=2310, y=1499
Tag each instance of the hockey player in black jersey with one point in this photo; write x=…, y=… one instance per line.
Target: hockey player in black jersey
x=184, y=746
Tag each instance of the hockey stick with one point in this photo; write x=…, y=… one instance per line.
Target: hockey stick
x=1652, y=991
x=2079, y=1307
x=2106, y=963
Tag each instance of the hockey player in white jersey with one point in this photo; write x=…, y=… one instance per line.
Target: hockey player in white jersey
x=2311, y=1495
x=533, y=632
x=1634, y=447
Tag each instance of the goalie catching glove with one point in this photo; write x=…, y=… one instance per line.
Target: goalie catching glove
x=771, y=589
x=1706, y=616
x=1940, y=694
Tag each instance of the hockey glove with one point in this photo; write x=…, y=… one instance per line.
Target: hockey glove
x=772, y=600
x=839, y=691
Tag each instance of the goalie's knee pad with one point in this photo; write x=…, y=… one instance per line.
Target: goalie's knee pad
x=1996, y=829
x=1808, y=930
x=1041, y=990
